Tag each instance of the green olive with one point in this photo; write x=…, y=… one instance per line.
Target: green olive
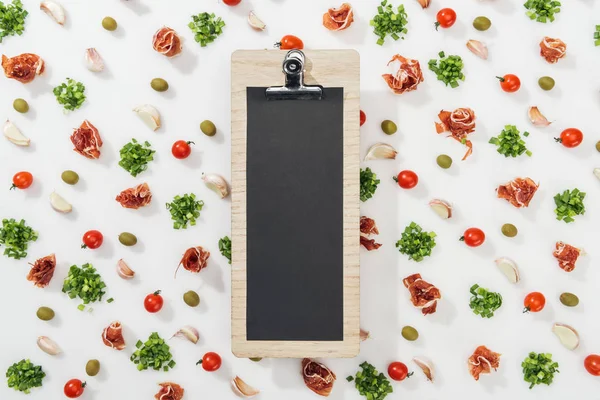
x=509, y=230
x=482, y=23
x=127, y=239
x=444, y=161
x=598, y=145
x=92, y=367
x=569, y=299
x=159, y=84
x=255, y=359
x=409, y=333
x=208, y=128
x=70, y=177
x=109, y=24
x=45, y=313
x=388, y=127
x=21, y=106
x=546, y=83
x=191, y=298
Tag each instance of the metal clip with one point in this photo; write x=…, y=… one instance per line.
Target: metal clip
x=294, y=89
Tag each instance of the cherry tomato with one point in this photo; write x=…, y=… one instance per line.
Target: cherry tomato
x=363, y=117
x=509, y=83
x=571, y=137
x=592, y=364
x=92, y=240
x=398, y=371
x=74, y=388
x=407, y=179
x=473, y=237
x=534, y=302
x=289, y=42
x=232, y=3
x=22, y=180
x=153, y=302
x=210, y=361
x=446, y=17
x=181, y=149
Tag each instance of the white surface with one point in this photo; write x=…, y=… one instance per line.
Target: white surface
x=199, y=89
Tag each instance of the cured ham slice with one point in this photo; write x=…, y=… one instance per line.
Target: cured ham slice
x=518, y=192
x=367, y=228
x=23, y=67
x=42, y=271
x=482, y=361
x=169, y=391
x=423, y=294
x=86, y=140
x=338, y=19
x=459, y=123
x=135, y=197
x=566, y=255
x=317, y=377
x=406, y=76
x=552, y=49
x=195, y=259
x=167, y=42
x=112, y=336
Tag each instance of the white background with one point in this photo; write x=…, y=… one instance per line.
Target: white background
x=199, y=89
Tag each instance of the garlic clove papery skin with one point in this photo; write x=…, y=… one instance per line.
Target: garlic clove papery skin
x=216, y=183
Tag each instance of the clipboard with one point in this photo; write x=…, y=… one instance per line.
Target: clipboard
x=295, y=203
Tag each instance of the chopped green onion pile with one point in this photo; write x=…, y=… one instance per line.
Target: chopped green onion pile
x=415, y=243
x=84, y=283
x=24, y=375
x=153, y=353
x=185, y=209
x=225, y=247
x=135, y=157
x=368, y=184
x=484, y=302
x=370, y=383
x=569, y=204
x=70, y=94
x=542, y=10
x=387, y=22
x=509, y=142
x=12, y=19
x=538, y=369
x=206, y=28
x=15, y=236
x=597, y=36
x=448, y=69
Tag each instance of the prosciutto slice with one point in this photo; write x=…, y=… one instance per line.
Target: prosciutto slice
x=338, y=19
x=422, y=294
x=167, y=42
x=23, y=67
x=518, y=192
x=195, y=259
x=552, y=49
x=367, y=228
x=317, y=377
x=112, y=336
x=42, y=271
x=135, y=197
x=406, y=74
x=169, y=391
x=459, y=123
x=482, y=361
x=566, y=255
x=86, y=140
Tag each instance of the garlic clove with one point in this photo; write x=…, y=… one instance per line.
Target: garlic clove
x=597, y=172
x=567, y=336
x=441, y=208
x=149, y=115
x=381, y=151
x=424, y=3
x=48, y=345
x=255, y=22
x=242, y=389
x=188, y=332
x=93, y=61
x=124, y=271
x=509, y=268
x=14, y=135
x=364, y=335
x=478, y=48
x=537, y=118
x=426, y=366
x=216, y=183
x=54, y=10
x=59, y=203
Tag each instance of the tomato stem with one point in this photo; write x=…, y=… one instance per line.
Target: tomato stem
x=395, y=178
x=84, y=246
x=526, y=310
x=558, y=140
x=190, y=142
x=277, y=44
x=501, y=78
x=199, y=362
x=156, y=293
x=462, y=239
x=13, y=187
x=437, y=24
x=410, y=374
x=83, y=384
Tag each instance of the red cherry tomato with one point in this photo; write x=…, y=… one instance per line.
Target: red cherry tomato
x=92, y=240
x=571, y=137
x=232, y=3
x=534, y=302
x=398, y=371
x=22, y=180
x=473, y=237
x=363, y=117
x=592, y=364
x=289, y=42
x=509, y=83
x=153, y=302
x=181, y=149
x=446, y=17
x=74, y=388
x=210, y=361
x=407, y=179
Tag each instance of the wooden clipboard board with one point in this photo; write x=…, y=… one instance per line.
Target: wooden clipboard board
x=251, y=71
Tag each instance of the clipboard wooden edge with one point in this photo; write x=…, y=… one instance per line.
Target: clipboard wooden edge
x=329, y=68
